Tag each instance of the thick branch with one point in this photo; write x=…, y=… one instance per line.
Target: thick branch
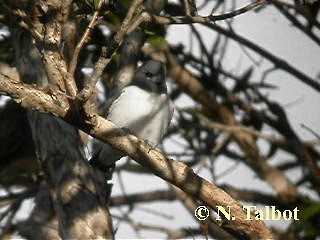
x=210, y=223
x=40, y=225
x=172, y=171
x=285, y=189
x=35, y=99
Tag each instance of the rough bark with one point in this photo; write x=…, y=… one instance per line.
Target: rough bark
x=76, y=190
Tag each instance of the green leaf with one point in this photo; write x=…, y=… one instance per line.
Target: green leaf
x=89, y=3
x=113, y=19
x=135, y=168
x=308, y=220
x=156, y=40
x=96, y=3
x=149, y=32
x=310, y=211
x=127, y=3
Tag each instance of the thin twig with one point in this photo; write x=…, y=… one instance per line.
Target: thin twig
x=297, y=9
x=297, y=23
x=204, y=121
x=25, y=22
x=142, y=198
x=310, y=130
x=142, y=226
x=272, y=139
x=190, y=7
x=108, y=53
x=84, y=39
x=277, y=61
x=203, y=19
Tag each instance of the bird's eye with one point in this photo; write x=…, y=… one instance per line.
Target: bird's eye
x=148, y=74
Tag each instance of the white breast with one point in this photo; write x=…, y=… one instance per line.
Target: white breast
x=146, y=114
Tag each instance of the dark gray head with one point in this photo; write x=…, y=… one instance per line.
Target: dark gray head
x=151, y=77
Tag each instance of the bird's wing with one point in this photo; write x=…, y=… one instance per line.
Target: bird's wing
x=112, y=96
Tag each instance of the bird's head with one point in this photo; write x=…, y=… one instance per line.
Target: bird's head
x=151, y=77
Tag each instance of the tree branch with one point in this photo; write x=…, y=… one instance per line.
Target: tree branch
x=286, y=190
x=172, y=171
x=45, y=103
x=108, y=52
x=84, y=39
x=278, y=62
x=202, y=19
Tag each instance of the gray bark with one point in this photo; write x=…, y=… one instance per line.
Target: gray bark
x=74, y=187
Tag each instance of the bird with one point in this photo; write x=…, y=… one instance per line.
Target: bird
x=143, y=107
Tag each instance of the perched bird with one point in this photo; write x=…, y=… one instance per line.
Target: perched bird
x=143, y=107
